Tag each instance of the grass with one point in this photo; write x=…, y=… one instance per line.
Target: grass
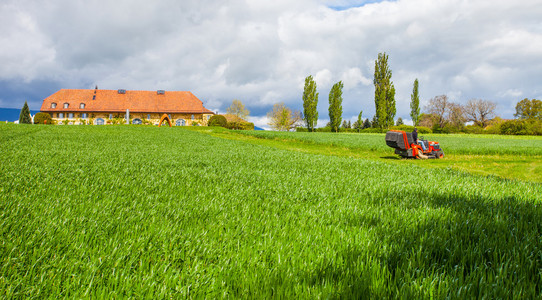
x=512, y=157
x=146, y=212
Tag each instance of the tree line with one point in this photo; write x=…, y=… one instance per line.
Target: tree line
x=440, y=115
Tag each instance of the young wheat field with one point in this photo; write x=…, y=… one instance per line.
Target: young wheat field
x=147, y=212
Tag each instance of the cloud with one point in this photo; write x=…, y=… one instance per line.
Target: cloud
x=261, y=51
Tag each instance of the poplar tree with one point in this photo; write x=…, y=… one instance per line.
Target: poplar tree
x=415, y=104
x=310, y=102
x=24, y=116
x=335, y=106
x=384, y=93
x=360, y=122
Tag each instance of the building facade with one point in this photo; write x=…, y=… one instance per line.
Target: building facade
x=102, y=107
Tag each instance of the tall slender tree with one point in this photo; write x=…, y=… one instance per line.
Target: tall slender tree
x=335, y=106
x=24, y=116
x=310, y=102
x=415, y=104
x=360, y=122
x=384, y=93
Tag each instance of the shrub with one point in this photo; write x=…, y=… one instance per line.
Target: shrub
x=240, y=125
x=43, y=118
x=218, y=120
x=410, y=128
x=521, y=127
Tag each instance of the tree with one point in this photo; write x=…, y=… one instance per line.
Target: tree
x=426, y=120
x=415, y=104
x=335, y=106
x=217, y=120
x=24, y=116
x=399, y=122
x=310, y=102
x=374, y=122
x=357, y=126
x=456, y=115
x=367, y=123
x=438, y=107
x=529, y=109
x=384, y=93
x=43, y=118
x=480, y=111
x=238, y=109
x=282, y=118
x=360, y=124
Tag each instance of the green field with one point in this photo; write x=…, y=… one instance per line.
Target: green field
x=512, y=157
x=147, y=212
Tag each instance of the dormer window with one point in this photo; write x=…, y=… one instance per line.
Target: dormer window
x=82, y=105
x=53, y=105
x=66, y=105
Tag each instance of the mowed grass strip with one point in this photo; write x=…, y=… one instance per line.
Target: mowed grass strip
x=511, y=157
x=128, y=211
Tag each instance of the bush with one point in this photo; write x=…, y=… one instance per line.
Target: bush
x=240, y=125
x=409, y=128
x=43, y=118
x=521, y=127
x=218, y=120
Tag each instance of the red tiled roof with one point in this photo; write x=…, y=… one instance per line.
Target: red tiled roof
x=135, y=101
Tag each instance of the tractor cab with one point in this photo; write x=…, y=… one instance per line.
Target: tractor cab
x=406, y=147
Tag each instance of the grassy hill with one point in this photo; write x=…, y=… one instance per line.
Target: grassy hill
x=148, y=212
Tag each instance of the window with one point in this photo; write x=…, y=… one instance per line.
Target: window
x=192, y=117
x=100, y=121
x=84, y=115
x=53, y=105
x=148, y=116
x=94, y=97
x=179, y=122
x=60, y=115
x=169, y=116
x=208, y=117
x=66, y=105
x=137, y=121
x=70, y=115
x=82, y=105
x=110, y=116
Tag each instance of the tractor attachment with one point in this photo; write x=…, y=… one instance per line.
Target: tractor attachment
x=406, y=147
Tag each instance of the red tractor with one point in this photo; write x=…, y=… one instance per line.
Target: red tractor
x=406, y=147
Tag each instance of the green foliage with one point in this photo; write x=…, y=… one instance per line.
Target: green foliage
x=24, y=116
x=415, y=104
x=218, y=120
x=384, y=93
x=335, y=106
x=359, y=121
x=43, y=118
x=366, y=123
x=521, y=127
x=410, y=128
x=310, y=103
x=240, y=125
x=399, y=122
x=238, y=109
x=529, y=109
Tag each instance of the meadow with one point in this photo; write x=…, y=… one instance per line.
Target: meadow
x=147, y=212
x=511, y=157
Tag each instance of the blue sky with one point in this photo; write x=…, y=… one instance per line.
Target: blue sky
x=261, y=51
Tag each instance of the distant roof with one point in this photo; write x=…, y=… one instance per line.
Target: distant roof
x=119, y=100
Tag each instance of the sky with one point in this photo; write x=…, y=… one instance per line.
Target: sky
x=260, y=52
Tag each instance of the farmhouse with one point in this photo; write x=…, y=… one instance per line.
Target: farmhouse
x=100, y=107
